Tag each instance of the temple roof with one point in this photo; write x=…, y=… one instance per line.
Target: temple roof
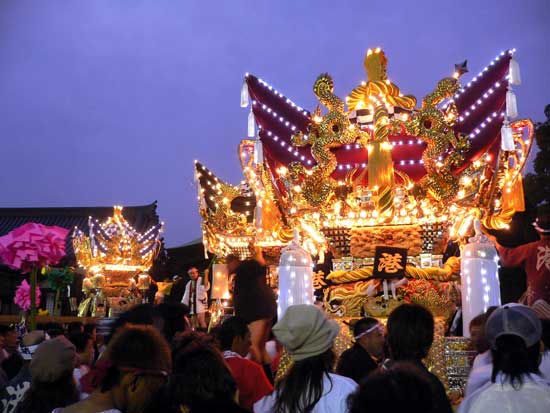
x=141, y=217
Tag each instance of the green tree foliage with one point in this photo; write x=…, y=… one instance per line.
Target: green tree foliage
x=537, y=185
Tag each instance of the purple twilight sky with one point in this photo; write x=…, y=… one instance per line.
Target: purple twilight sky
x=109, y=101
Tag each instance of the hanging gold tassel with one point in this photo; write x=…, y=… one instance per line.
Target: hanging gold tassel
x=251, y=124
x=515, y=76
x=513, y=196
x=244, y=94
x=511, y=104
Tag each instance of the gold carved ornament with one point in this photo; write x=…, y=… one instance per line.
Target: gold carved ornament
x=376, y=95
x=435, y=128
x=324, y=133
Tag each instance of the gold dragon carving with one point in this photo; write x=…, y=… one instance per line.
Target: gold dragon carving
x=325, y=133
x=435, y=127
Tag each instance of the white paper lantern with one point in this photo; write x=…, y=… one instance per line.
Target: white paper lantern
x=295, y=276
x=479, y=277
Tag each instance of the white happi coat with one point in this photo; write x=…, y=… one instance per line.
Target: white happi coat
x=201, y=297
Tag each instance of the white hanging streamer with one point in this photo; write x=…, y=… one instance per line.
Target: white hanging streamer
x=258, y=152
x=515, y=74
x=507, y=137
x=386, y=294
x=511, y=104
x=244, y=94
x=251, y=124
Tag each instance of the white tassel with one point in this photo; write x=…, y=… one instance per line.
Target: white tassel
x=385, y=286
x=321, y=259
x=507, y=138
x=515, y=75
x=511, y=104
x=258, y=215
x=258, y=152
x=251, y=124
x=393, y=288
x=244, y=94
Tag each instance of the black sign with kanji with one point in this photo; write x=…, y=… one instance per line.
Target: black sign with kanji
x=389, y=262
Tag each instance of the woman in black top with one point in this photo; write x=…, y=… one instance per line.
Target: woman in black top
x=254, y=301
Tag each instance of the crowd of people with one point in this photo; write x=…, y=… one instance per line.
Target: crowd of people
x=152, y=360
x=162, y=358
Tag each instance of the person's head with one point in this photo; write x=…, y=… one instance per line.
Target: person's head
x=402, y=387
x=84, y=347
x=30, y=343
x=514, y=333
x=137, y=363
x=175, y=319
x=52, y=329
x=368, y=332
x=232, y=262
x=9, y=335
x=234, y=335
x=410, y=332
x=91, y=330
x=201, y=379
x=75, y=327
x=542, y=223
x=308, y=336
x=142, y=314
x=52, y=383
x=193, y=273
x=477, y=331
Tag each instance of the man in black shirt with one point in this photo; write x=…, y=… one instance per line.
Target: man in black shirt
x=363, y=356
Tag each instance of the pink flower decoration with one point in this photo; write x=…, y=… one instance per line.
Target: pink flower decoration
x=23, y=296
x=33, y=246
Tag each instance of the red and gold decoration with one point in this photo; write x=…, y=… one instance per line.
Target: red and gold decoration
x=373, y=168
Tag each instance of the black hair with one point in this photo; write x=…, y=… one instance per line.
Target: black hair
x=514, y=359
x=4, y=329
x=75, y=327
x=302, y=387
x=12, y=365
x=90, y=328
x=142, y=314
x=402, y=387
x=363, y=325
x=410, y=332
x=137, y=347
x=44, y=397
x=481, y=319
x=80, y=340
x=200, y=377
x=231, y=328
x=175, y=322
x=53, y=329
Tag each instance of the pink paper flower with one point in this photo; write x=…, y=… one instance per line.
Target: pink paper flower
x=33, y=246
x=23, y=296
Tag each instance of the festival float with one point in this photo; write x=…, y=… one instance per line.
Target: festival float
x=384, y=183
x=115, y=258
